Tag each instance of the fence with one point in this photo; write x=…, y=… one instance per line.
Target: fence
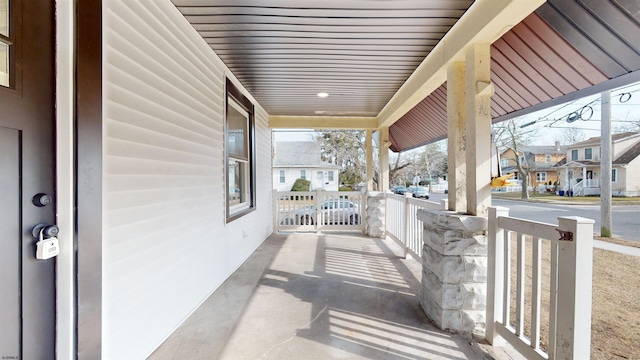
x=569, y=285
x=402, y=223
x=318, y=210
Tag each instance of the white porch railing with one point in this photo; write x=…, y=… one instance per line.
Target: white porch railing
x=570, y=282
x=402, y=223
x=318, y=210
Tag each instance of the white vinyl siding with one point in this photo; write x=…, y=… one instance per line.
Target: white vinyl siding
x=166, y=246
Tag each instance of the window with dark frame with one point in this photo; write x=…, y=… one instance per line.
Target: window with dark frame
x=588, y=153
x=240, y=153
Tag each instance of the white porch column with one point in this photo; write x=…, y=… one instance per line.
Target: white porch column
x=369, y=149
x=383, y=160
x=456, y=128
x=478, y=129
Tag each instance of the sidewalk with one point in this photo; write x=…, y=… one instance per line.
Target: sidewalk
x=627, y=250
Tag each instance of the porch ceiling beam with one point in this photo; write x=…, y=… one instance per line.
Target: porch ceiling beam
x=322, y=122
x=485, y=22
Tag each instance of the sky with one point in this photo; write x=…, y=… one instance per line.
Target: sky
x=551, y=123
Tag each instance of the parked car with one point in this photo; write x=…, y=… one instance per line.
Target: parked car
x=398, y=189
x=420, y=192
x=334, y=212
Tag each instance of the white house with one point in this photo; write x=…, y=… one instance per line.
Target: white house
x=581, y=171
x=302, y=160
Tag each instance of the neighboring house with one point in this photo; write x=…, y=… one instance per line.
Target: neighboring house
x=539, y=160
x=302, y=160
x=581, y=171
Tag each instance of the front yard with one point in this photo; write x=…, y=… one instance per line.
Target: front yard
x=615, y=322
x=552, y=197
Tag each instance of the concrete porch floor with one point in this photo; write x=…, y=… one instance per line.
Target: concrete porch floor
x=309, y=296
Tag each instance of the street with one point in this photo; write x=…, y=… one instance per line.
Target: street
x=626, y=218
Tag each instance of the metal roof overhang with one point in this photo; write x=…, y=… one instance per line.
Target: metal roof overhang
x=386, y=61
x=564, y=51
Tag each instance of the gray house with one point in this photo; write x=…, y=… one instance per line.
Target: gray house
x=302, y=160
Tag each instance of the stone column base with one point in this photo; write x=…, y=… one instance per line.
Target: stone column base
x=454, y=271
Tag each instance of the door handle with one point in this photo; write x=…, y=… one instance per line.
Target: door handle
x=47, y=230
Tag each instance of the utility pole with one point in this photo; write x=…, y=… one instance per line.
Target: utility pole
x=606, y=223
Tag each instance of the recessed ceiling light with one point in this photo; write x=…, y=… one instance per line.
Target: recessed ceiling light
x=323, y=94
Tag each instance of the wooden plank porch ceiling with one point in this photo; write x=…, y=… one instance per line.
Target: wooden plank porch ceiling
x=361, y=52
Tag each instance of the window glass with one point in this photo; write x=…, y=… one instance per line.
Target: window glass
x=282, y=178
x=4, y=46
x=4, y=17
x=237, y=182
x=330, y=175
x=4, y=64
x=574, y=154
x=303, y=174
x=237, y=125
x=614, y=175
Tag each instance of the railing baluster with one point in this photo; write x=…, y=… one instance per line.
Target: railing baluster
x=536, y=267
x=506, y=293
x=553, y=300
x=520, y=283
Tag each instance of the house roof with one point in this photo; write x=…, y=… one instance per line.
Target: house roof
x=539, y=149
x=388, y=59
x=629, y=155
x=596, y=140
x=300, y=154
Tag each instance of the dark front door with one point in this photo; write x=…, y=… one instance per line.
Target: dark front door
x=27, y=285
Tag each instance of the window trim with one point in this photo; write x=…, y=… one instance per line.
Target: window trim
x=234, y=95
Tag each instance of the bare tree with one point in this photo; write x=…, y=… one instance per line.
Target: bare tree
x=572, y=135
x=510, y=135
x=629, y=125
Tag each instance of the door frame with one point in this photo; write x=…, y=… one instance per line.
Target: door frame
x=64, y=114
x=78, y=35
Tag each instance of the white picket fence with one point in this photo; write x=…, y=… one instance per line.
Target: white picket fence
x=402, y=223
x=570, y=285
x=318, y=211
